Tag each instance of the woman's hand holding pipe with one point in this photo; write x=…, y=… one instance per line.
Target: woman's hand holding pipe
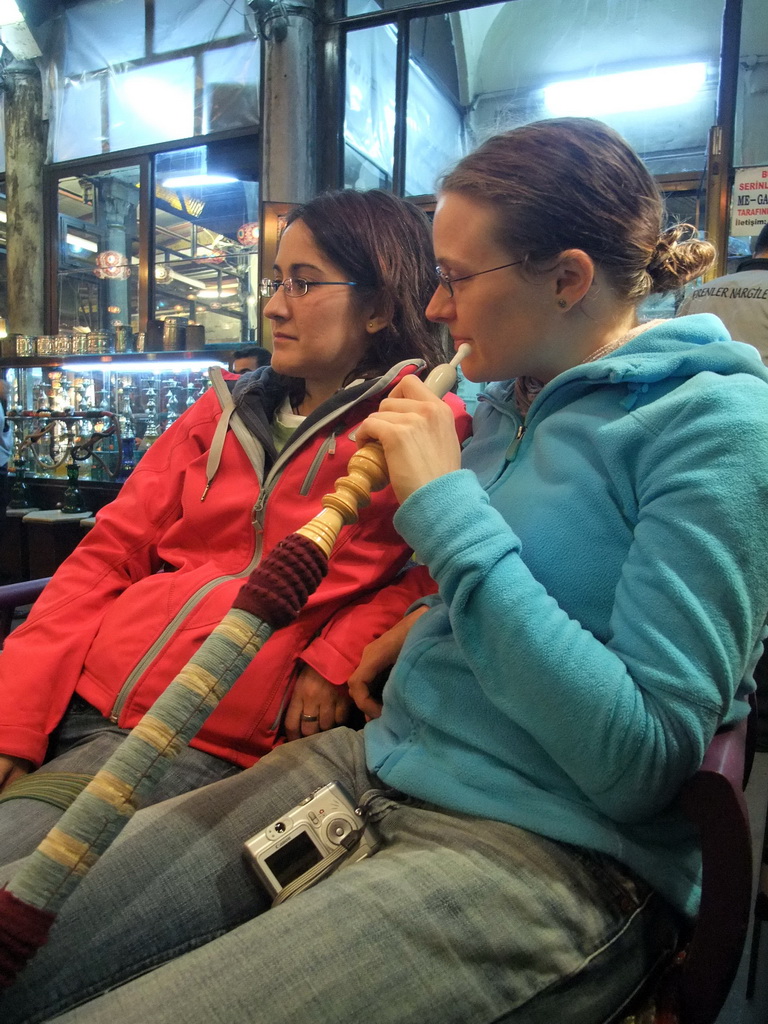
x=416, y=429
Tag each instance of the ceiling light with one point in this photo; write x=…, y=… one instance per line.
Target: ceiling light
x=14, y=33
x=10, y=13
x=215, y=293
x=647, y=89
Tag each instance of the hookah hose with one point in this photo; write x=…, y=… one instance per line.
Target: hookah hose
x=272, y=597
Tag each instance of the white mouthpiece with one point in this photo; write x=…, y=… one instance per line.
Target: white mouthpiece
x=443, y=377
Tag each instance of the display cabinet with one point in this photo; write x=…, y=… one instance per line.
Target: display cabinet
x=80, y=425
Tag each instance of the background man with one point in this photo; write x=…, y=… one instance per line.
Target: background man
x=250, y=357
x=739, y=299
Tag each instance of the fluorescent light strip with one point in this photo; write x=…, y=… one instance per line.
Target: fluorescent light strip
x=648, y=89
x=150, y=366
x=214, y=293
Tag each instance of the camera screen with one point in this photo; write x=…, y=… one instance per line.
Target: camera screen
x=293, y=859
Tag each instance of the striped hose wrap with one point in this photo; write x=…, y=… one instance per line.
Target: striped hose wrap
x=273, y=596
x=103, y=808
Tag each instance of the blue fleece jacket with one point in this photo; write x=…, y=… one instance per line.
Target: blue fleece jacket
x=603, y=585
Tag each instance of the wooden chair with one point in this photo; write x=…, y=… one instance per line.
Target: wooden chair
x=714, y=801
x=696, y=985
x=14, y=596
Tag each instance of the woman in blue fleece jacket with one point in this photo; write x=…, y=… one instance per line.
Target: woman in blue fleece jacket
x=602, y=562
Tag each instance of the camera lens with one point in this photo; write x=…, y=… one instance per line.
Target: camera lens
x=279, y=826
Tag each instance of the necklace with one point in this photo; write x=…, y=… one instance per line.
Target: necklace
x=527, y=388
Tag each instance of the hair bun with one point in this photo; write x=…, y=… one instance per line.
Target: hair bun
x=680, y=256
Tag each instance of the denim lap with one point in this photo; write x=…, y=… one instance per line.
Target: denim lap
x=82, y=744
x=454, y=919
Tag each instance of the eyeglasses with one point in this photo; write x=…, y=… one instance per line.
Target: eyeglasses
x=294, y=286
x=449, y=282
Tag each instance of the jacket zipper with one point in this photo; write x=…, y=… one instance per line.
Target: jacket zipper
x=172, y=626
x=536, y=406
x=327, y=448
x=514, y=445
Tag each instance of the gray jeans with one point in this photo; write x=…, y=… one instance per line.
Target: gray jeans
x=455, y=920
x=82, y=743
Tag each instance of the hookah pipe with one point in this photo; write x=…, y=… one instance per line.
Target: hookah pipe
x=273, y=596
x=87, y=449
x=83, y=450
x=73, y=499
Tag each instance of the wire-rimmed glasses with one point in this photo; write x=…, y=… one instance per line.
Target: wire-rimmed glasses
x=295, y=287
x=449, y=282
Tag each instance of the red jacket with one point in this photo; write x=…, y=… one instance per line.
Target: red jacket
x=115, y=629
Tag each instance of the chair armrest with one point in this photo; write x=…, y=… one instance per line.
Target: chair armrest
x=714, y=801
x=13, y=596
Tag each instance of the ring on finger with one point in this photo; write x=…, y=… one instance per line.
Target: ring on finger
x=310, y=718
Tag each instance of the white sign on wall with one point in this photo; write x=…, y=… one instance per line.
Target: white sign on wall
x=749, y=207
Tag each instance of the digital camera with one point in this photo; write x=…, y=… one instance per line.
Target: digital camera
x=305, y=835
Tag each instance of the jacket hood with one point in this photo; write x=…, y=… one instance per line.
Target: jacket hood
x=269, y=388
x=678, y=348
x=258, y=394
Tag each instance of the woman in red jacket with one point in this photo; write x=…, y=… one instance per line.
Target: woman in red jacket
x=245, y=466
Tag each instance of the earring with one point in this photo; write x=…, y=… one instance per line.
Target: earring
x=562, y=303
x=371, y=325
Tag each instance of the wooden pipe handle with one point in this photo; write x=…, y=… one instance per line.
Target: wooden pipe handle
x=366, y=472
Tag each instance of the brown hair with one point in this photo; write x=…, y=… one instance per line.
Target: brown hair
x=574, y=183
x=385, y=245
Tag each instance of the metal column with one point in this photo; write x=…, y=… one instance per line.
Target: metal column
x=25, y=149
x=289, y=102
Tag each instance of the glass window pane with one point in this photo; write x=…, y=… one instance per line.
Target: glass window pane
x=369, y=122
x=98, y=33
x=98, y=219
x=178, y=26
x=206, y=245
x=751, y=139
x=103, y=102
x=477, y=72
x=435, y=119
x=76, y=128
x=151, y=105
x=369, y=6
x=231, y=87
x=751, y=142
